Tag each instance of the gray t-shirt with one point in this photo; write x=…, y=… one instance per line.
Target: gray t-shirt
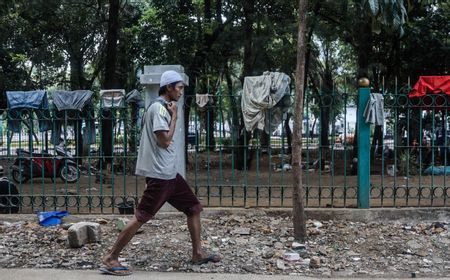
x=154, y=161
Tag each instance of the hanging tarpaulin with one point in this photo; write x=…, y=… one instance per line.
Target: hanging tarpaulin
x=22, y=104
x=112, y=98
x=264, y=100
x=71, y=100
x=430, y=84
x=134, y=97
x=36, y=99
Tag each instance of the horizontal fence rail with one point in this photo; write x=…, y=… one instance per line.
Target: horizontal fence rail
x=84, y=163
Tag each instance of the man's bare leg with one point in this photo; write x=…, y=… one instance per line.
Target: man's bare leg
x=112, y=258
x=195, y=230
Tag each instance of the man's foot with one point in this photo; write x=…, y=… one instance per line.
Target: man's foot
x=202, y=259
x=114, y=267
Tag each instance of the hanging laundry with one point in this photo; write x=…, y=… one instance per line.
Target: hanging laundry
x=264, y=100
x=374, y=111
x=203, y=99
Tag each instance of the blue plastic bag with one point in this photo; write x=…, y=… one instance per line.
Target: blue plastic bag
x=51, y=218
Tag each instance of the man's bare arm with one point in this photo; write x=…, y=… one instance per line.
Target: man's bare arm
x=164, y=137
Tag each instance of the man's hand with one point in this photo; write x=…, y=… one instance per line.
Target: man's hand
x=172, y=107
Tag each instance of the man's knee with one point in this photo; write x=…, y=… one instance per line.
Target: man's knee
x=194, y=210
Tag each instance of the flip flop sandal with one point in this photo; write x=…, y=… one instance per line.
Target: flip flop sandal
x=210, y=258
x=117, y=270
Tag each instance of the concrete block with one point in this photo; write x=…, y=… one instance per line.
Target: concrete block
x=162, y=68
x=83, y=233
x=152, y=74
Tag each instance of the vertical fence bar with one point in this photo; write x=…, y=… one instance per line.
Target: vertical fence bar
x=208, y=144
x=344, y=142
x=396, y=138
x=320, y=149
x=307, y=187
x=433, y=149
x=382, y=144
x=445, y=148
x=408, y=145
x=221, y=141
x=331, y=165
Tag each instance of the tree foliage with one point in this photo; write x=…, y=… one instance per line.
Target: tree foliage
x=63, y=43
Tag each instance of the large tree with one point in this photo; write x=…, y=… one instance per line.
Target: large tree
x=299, y=217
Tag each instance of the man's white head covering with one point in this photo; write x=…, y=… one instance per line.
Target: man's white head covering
x=169, y=77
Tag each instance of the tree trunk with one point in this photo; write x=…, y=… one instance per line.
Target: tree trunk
x=363, y=31
x=243, y=157
x=299, y=217
x=210, y=116
x=249, y=9
x=234, y=111
x=324, y=131
x=326, y=108
x=110, y=79
x=76, y=71
x=77, y=81
x=112, y=35
x=207, y=7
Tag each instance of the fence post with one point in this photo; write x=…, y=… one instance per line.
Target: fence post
x=363, y=141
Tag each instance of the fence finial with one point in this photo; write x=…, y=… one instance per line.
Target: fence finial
x=363, y=82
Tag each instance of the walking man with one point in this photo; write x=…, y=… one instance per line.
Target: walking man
x=156, y=161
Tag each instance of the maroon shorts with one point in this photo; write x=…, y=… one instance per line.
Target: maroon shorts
x=175, y=191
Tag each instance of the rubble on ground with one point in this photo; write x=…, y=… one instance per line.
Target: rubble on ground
x=254, y=242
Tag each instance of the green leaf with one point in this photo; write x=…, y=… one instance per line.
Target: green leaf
x=18, y=57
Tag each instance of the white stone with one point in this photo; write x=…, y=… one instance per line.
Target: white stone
x=280, y=265
x=291, y=256
x=297, y=246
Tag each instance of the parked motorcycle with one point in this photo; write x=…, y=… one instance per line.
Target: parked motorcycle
x=30, y=165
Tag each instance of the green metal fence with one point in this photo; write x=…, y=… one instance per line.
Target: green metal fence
x=233, y=168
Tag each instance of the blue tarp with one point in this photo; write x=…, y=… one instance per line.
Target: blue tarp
x=35, y=102
x=27, y=99
x=437, y=170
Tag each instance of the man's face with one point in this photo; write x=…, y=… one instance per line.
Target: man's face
x=176, y=91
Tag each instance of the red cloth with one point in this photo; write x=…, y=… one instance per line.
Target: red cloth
x=431, y=84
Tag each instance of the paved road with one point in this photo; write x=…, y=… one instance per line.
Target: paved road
x=56, y=274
